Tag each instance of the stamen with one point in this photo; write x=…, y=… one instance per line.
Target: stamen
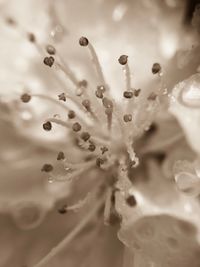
x=50, y=49
x=63, y=244
x=91, y=147
x=47, y=168
x=108, y=112
x=61, y=156
x=127, y=117
x=67, y=71
x=99, y=92
x=85, y=136
x=131, y=201
x=104, y=149
x=107, y=102
x=107, y=208
x=83, y=41
x=152, y=96
x=123, y=60
x=62, y=97
x=128, y=94
x=63, y=209
x=137, y=92
x=156, y=68
x=59, y=122
x=76, y=127
x=25, y=98
x=86, y=103
x=71, y=114
x=10, y=21
x=47, y=126
x=31, y=37
x=99, y=162
x=49, y=61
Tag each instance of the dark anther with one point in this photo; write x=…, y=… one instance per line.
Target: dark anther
x=86, y=104
x=156, y=68
x=99, y=162
x=63, y=209
x=107, y=102
x=123, y=59
x=71, y=114
x=47, y=168
x=127, y=117
x=48, y=61
x=50, y=50
x=83, y=83
x=137, y=92
x=76, y=127
x=10, y=21
x=47, y=126
x=131, y=201
x=31, y=37
x=85, y=136
x=91, y=147
x=101, y=88
x=61, y=156
x=25, y=98
x=62, y=97
x=104, y=149
x=99, y=93
x=83, y=41
x=115, y=218
x=128, y=94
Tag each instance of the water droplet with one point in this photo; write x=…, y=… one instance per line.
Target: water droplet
x=50, y=180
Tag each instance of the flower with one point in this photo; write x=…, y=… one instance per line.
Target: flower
x=107, y=157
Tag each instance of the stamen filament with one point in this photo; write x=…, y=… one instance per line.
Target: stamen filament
x=65, y=242
x=97, y=64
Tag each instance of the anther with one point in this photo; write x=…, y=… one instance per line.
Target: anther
x=123, y=60
x=137, y=92
x=63, y=209
x=47, y=168
x=60, y=156
x=76, y=127
x=128, y=94
x=91, y=147
x=152, y=96
x=127, y=117
x=156, y=68
x=83, y=41
x=85, y=136
x=86, y=104
x=48, y=61
x=107, y=102
x=50, y=49
x=71, y=114
x=47, y=126
x=101, y=88
x=62, y=97
x=99, y=162
x=10, y=21
x=99, y=93
x=83, y=83
x=104, y=149
x=131, y=201
x=25, y=98
x=31, y=37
